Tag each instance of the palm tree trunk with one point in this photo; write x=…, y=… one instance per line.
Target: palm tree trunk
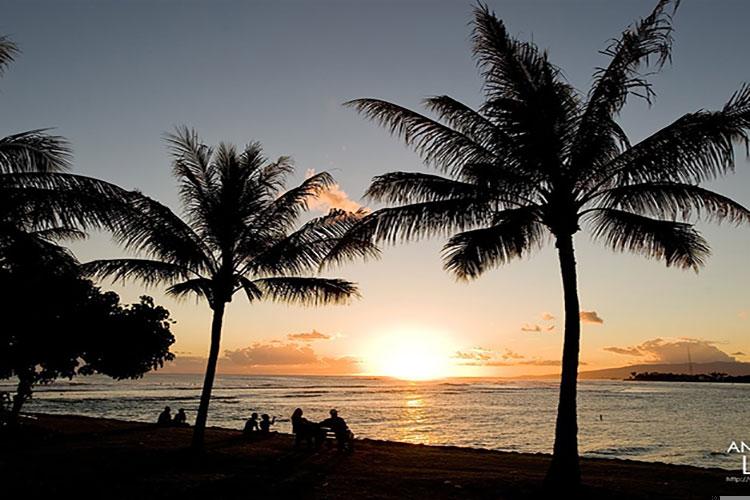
x=208, y=381
x=565, y=470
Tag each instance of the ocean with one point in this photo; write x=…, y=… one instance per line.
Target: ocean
x=672, y=422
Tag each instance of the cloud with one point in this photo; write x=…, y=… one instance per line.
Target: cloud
x=547, y=317
x=479, y=356
x=531, y=328
x=742, y=315
x=270, y=358
x=675, y=351
x=628, y=351
x=476, y=354
x=739, y=353
x=526, y=362
x=271, y=354
x=591, y=317
x=512, y=355
x=334, y=197
x=308, y=336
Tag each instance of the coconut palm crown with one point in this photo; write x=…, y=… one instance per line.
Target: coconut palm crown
x=539, y=161
x=239, y=234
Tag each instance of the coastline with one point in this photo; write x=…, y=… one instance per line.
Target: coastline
x=54, y=454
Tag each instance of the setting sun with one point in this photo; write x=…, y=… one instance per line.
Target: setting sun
x=411, y=354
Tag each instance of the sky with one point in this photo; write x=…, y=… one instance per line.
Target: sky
x=115, y=76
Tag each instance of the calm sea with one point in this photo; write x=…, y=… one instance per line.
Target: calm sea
x=683, y=423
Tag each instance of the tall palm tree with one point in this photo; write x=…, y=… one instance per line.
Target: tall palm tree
x=237, y=235
x=537, y=160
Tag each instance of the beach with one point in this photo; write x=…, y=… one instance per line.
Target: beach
x=56, y=455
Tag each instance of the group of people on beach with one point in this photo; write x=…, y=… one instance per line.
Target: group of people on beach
x=263, y=425
x=167, y=420
x=313, y=433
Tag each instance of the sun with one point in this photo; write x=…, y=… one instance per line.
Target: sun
x=411, y=354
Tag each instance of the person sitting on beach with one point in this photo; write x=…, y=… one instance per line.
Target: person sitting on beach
x=165, y=417
x=180, y=419
x=251, y=424
x=339, y=428
x=303, y=429
x=266, y=423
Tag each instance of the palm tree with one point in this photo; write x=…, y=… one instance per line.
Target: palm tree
x=537, y=160
x=41, y=203
x=236, y=235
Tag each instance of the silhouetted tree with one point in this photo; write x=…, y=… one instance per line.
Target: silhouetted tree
x=236, y=236
x=58, y=324
x=41, y=203
x=538, y=159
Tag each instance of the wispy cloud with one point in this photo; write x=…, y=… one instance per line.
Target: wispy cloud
x=547, y=316
x=486, y=357
x=628, y=351
x=308, y=336
x=531, y=328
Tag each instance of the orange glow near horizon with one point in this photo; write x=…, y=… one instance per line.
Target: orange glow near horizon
x=411, y=354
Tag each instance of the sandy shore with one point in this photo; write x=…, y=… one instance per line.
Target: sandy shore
x=102, y=458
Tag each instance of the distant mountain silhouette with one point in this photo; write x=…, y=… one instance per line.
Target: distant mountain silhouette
x=728, y=367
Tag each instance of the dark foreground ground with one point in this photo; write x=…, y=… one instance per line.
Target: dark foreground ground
x=78, y=457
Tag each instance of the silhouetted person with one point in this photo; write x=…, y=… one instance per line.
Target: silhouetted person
x=251, y=424
x=266, y=423
x=305, y=430
x=165, y=417
x=339, y=428
x=180, y=419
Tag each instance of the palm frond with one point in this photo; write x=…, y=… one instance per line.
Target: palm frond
x=467, y=121
x=648, y=39
x=599, y=137
x=438, y=145
x=192, y=166
x=200, y=287
x=273, y=176
x=62, y=199
x=526, y=97
x=696, y=147
x=514, y=234
x=8, y=51
x=320, y=242
x=252, y=292
x=60, y=233
x=675, y=200
x=676, y=243
x=281, y=214
x=417, y=187
x=307, y=291
x=152, y=229
x=150, y=272
x=34, y=151
x=510, y=67
x=419, y=220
